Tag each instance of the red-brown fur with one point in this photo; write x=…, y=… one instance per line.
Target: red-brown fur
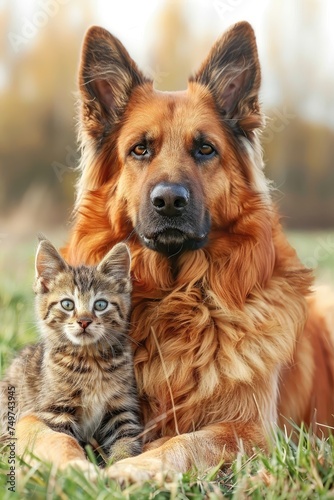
x=220, y=347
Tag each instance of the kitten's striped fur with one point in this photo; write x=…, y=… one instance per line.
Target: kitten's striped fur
x=79, y=378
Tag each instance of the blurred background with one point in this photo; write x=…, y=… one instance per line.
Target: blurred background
x=39, y=53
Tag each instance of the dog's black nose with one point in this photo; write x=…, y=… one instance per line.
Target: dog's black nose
x=169, y=199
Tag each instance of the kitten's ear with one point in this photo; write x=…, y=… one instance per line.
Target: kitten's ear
x=47, y=265
x=107, y=77
x=232, y=73
x=41, y=237
x=117, y=262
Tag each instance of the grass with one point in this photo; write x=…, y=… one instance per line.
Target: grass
x=292, y=471
x=304, y=470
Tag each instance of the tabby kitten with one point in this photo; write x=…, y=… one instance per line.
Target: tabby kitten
x=79, y=378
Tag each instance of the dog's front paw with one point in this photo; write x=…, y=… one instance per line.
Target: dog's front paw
x=132, y=470
x=84, y=466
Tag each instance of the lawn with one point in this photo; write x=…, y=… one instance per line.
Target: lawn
x=291, y=471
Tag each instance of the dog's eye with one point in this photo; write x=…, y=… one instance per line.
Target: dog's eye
x=206, y=150
x=140, y=150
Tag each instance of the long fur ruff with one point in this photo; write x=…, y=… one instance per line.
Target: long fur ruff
x=228, y=339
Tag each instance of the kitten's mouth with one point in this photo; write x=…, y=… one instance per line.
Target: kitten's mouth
x=84, y=332
x=81, y=337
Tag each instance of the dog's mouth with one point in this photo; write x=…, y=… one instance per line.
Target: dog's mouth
x=173, y=241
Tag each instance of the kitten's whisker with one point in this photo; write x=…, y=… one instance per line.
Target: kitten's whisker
x=128, y=337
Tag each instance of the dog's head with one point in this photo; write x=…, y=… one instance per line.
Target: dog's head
x=178, y=165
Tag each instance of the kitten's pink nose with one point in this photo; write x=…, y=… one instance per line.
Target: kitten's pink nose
x=84, y=322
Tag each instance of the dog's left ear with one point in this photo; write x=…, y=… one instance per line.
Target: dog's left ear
x=232, y=72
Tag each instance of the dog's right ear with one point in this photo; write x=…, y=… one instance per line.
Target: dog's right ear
x=107, y=76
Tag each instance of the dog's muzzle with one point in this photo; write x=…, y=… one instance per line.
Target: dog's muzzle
x=172, y=221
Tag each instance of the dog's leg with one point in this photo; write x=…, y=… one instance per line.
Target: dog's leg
x=201, y=450
x=35, y=437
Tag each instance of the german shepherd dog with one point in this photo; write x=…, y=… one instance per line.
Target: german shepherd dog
x=228, y=339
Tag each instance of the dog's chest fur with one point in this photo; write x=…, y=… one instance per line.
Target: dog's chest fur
x=196, y=352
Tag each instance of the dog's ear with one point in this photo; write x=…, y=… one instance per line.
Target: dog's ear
x=107, y=76
x=232, y=72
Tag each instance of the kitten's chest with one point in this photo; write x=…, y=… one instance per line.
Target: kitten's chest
x=85, y=382
x=96, y=397
x=93, y=407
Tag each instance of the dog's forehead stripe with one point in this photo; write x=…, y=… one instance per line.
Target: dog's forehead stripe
x=182, y=115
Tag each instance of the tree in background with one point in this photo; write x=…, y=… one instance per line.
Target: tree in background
x=37, y=107
x=298, y=141
x=38, y=77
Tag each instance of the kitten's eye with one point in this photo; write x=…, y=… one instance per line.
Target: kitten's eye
x=139, y=151
x=100, y=305
x=67, y=304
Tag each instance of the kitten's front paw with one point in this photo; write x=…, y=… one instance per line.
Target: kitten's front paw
x=132, y=470
x=84, y=466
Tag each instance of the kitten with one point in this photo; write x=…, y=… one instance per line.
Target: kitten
x=79, y=378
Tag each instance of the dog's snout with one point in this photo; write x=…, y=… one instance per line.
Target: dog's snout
x=169, y=199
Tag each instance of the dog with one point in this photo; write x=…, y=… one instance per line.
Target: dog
x=228, y=338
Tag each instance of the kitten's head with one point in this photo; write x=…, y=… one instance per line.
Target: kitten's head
x=82, y=304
